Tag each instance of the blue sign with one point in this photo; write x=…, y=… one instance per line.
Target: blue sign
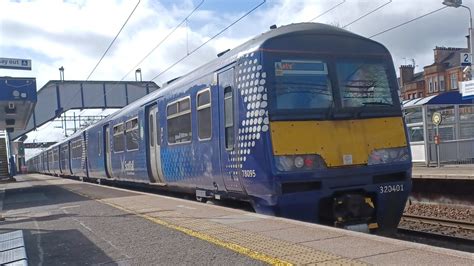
x=15, y=63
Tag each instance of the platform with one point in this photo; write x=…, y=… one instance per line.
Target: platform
x=66, y=221
x=455, y=172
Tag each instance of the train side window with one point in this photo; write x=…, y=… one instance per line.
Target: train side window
x=179, y=121
x=204, y=116
x=151, y=134
x=99, y=142
x=229, y=118
x=158, y=130
x=132, y=134
x=118, y=138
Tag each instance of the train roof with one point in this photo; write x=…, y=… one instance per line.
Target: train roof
x=233, y=54
x=230, y=57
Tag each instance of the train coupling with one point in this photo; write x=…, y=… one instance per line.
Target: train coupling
x=354, y=212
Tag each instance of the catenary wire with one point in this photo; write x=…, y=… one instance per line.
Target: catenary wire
x=329, y=10
x=217, y=34
x=406, y=22
x=163, y=40
x=151, y=51
x=366, y=14
x=115, y=38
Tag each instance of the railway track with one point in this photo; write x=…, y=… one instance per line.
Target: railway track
x=440, y=221
x=453, y=234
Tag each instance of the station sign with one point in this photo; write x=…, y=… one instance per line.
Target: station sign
x=467, y=89
x=15, y=63
x=466, y=59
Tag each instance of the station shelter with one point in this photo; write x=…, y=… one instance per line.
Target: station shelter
x=456, y=130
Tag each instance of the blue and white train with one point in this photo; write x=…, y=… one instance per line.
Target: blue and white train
x=303, y=121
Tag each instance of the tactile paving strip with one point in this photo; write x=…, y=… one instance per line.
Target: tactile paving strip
x=311, y=257
x=197, y=225
x=253, y=238
x=287, y=250
x=232, y=235
x=218, y=231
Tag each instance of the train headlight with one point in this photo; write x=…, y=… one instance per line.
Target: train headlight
x=286, y=163
x=299, y=161
x=390, y=155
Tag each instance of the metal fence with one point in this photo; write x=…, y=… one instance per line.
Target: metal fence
x=456, y=133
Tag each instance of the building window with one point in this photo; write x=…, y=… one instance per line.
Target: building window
x=132, y=134
x=204, y=116
x=179, y=121
x=442, y=86
x=435, y=85
x=118, y=138
x=430, y=85
x=454, y=81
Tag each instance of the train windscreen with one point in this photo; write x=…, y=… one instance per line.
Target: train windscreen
x=302, y=85
x=362, y=83
x=356, y=86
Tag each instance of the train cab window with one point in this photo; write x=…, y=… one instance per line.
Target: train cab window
x=132, y=134
x=118, y=138
x=179, y=121
x=229, y=118
x=302, y=85
x=364, y=84
x=204, y=119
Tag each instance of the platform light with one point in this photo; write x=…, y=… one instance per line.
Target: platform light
x=452, y=3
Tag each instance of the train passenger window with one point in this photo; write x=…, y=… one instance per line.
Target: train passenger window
x=118, y=138
x=150, y=130
x=158, y=130
x=132, y=134
x=99, y=143
x=229, y=118
x=179, y=123
x=204, y=116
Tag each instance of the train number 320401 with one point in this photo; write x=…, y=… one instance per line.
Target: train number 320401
x=391, y=188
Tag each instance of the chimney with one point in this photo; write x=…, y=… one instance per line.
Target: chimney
x=406, y=74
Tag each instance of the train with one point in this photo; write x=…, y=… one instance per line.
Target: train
x=303, y=121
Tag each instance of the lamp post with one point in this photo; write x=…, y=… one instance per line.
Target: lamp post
x=456, y=4
x=138, y=74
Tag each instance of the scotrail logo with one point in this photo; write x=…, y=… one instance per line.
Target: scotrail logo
x=128, y=167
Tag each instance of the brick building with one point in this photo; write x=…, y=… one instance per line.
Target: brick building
x=443, y=75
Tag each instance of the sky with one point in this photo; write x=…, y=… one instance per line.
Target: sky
x=75, y=33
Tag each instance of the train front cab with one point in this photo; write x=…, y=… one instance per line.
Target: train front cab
x=337, y=143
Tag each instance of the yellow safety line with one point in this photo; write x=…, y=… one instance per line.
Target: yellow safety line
x=234, y=247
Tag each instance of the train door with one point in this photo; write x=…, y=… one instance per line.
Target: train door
x=154, y=145
x=227, y=126
x=108, y=160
